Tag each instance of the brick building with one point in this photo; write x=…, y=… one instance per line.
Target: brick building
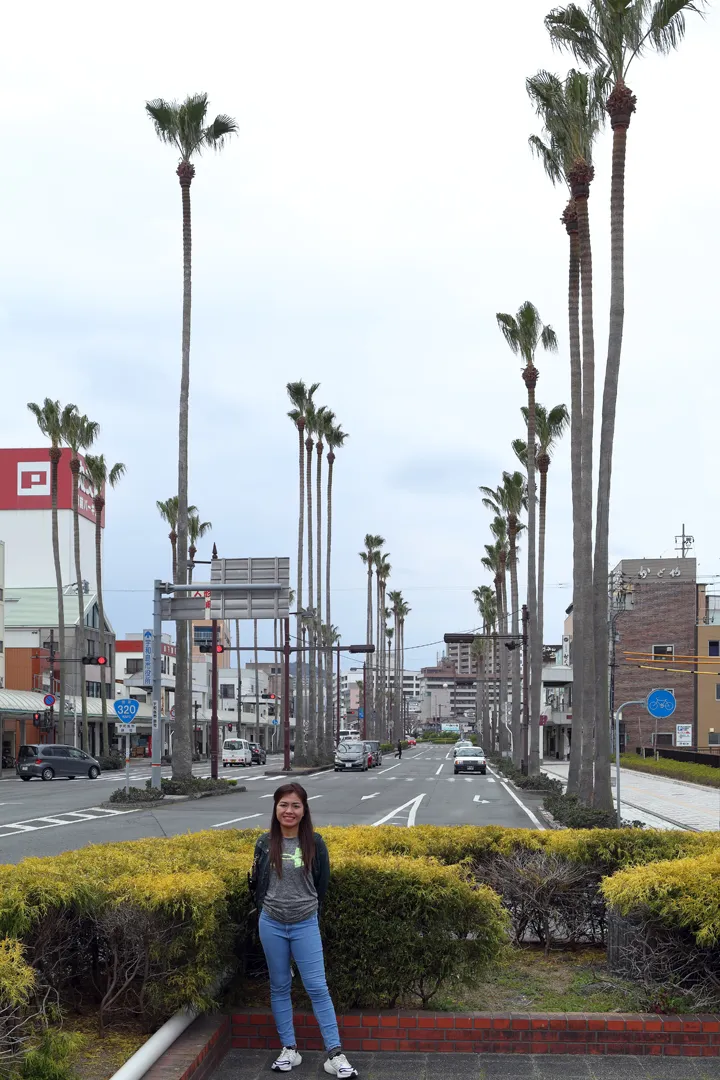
x=657, y=617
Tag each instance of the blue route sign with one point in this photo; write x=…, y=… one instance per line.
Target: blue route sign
x=126, y=709
x=361, y=714
x=661, y=703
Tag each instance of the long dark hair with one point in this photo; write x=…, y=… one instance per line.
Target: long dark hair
x=306, y=833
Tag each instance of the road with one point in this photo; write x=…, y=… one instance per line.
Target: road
x=39, y=818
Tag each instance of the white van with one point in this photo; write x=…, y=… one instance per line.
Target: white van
x=236, y=752
x=348, y=734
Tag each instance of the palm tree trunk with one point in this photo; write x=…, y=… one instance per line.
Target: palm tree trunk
x=256, y=736
x=621, y=106
x=515, y=654
x=503, y=741
x=530, y=376
x=101, y=614
x=330, y=727
x=312, y=743
x=239, y=678
x=576, y=484
x=318, y=620
x=182, y=751
x=587, y=659
x=300, y=740
x=542, y=512
x=191, y=711
x=80, y=629
x=55, y=454
x=369, y=632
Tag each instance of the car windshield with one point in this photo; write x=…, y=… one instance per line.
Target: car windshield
x=233, y=744
x=350, y=748
x=469, y=751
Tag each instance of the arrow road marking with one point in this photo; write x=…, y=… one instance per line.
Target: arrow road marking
x=373, y=796
x=413, y=804
x=479, y=800
x=490, y=780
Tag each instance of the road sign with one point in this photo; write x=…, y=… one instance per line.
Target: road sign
x=126, y=729
x=147, y=657
x=126, y=709
x=172, y=713
x=661, y=703
x=49, y=699
x=361, y=714
x=683, y=734
x=262, y=603
x=275, y=721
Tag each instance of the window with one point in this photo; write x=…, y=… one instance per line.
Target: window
x=714, y=738
x=202, y=635
x=133, y=666
x=663, y=739
x=717, y=691
x=713, y=648
x=92, y=689
x=1, y=645
x=174, y=669
x=91, y=647
x=1, y=594
x=227, y=690
x=663, y=652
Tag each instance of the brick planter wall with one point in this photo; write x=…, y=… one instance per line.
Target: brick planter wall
x=512, y=1033
x=196, y=1053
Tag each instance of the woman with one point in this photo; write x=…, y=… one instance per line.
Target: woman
x=290, y=876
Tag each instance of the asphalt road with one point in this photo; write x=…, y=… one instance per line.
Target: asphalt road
x=39, y=818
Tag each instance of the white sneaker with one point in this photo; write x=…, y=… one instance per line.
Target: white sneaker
x=340, y=1066
x=288, y=1059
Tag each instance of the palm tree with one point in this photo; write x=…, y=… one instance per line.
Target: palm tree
x=196, y=530
x=373, y=544
x=168, y=511
x=324, y=420
x=550, y=427
x=80, y=434
x=183, y=126
x=98, y=477
x=53, y=419
x=334, y=438
x=311, y=416
x=389, y=634
x=572, y=113
x=382, y=573
x=301, y=397
x=403, y=611
x=494, y=561
x=510, y=499
x=610, y=35
x=525, y=333
x=486, y=601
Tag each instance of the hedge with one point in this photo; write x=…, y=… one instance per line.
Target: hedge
x=674, y=770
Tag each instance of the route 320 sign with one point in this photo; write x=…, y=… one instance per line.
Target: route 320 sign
x=126, y=709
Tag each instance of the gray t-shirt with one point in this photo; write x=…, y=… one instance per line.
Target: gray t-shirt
x=292, y=897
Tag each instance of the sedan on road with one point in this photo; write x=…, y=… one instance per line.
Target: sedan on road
x=351, y=755
x=49, y=760
x=470, y=759
x=259, y=754
x=374, y=752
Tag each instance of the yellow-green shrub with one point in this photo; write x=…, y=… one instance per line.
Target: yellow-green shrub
x=683, y=894
x=691, y=771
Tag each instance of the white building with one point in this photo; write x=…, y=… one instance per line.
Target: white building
x=2, y=614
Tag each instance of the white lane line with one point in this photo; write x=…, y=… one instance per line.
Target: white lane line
x=447, y=756
x=390, y=768
x=439, y=771
x=522, y=805
x=373, y=796
x=490, y=780
x=311, y=797
x=19, y=828
x=412, y=803
x=233, y=820
x=468, y=780
x=268, y=796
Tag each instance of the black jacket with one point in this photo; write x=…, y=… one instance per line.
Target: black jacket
x=259, y=876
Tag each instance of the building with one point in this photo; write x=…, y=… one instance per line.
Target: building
x=2, y=615
x=447, y=696
x=655, y=622
x=31, y=643
x=707, y=650
x=202, y=635
x=462, y=657
x=25, y=520
x=556, y=699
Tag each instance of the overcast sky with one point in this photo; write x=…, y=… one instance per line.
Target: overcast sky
x=378, y=207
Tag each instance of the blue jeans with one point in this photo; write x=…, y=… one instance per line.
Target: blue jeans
x=301, y=942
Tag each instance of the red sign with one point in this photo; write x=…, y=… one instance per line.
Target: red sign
x=25, y=482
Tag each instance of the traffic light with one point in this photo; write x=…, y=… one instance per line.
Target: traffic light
x=100, y=661
x=267, y=696
x=209, y=648
x=36, y=717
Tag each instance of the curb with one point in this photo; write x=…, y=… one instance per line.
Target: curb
x=171, y=800
x=304, y=771
x=196, y=1053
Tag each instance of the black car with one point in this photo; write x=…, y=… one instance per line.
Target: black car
x=259, y=754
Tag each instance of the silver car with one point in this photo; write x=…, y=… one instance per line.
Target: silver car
x=51, y=760
x=351, y=755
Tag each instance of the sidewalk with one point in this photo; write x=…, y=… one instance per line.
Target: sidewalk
x=255, y=1065
x=676, y=803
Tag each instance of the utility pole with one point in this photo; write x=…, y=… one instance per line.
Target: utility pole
x=214, y=704
x=364, y=701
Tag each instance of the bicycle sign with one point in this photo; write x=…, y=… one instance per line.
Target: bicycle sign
x=126, y=709
x=661, y=703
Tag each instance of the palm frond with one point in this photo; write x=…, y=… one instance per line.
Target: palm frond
x=550, y=156
x=570, y=28
x=667, y=22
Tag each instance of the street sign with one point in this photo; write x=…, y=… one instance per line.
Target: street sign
x=147, y=657
x=126, y=709
x=661, y=703
x=49, y=699
x=155, y=715
x=683, y=734
x=275, y=721
x=126, y=729
x=262, y=603
x=172, y=713
x=361, y=714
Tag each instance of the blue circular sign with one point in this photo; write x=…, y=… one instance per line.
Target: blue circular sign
x=49, y=699
x=661, y=703
x=126, y=709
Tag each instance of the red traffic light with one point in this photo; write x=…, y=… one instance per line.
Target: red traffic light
x=272, y=697
x=101, y=660
x=219, y=648
x=36, y=717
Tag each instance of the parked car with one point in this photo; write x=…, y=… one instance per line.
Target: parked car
x=236, y=752
x=470, y=759
x=258, y=753
x=50, y=760
x=375, y=751
x=411, y=740
x=351, y=755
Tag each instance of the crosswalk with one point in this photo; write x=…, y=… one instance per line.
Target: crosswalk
x=64, y=817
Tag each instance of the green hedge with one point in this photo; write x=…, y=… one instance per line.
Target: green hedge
x=674, y=770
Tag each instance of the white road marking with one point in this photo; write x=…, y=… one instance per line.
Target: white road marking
x=311, y=797
x=479, y=800
x=523, y=807
x=268, y=796
x=451, y=779
x=468, y=780
x=233, y=820
x=490, y=780
x=439, y=771
x=373, y=796
x=19, y=828
x=412, y=803
x=390, y=768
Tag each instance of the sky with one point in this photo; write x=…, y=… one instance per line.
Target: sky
x=377, y=208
